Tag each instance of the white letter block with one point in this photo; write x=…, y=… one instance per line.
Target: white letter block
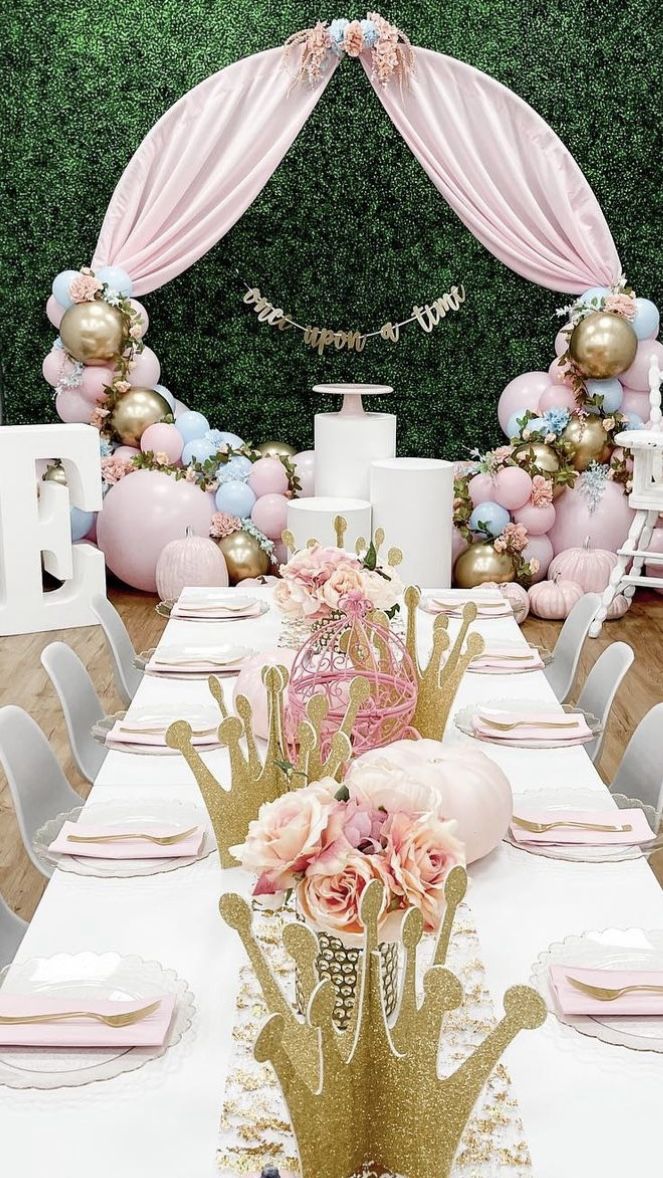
x=33, y=523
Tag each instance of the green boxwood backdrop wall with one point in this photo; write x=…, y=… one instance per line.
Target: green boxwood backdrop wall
x=349, y=232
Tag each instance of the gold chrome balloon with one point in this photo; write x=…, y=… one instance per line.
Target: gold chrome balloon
x=589, y=440
x=276, y=450
x=480, y=563
x=55, y=474
x=244, y=557
x=541, y=459
x=92, y=332
x=134, y=411
x=603, y=345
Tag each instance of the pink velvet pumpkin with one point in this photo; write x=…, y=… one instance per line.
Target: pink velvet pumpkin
x=249, y=683
x=618, y=607
x=515, y=595
x=554, y=600
x=193, y=560
x=473, y=789
x=590, y=567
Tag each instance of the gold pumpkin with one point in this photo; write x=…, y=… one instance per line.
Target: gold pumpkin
x=480, y=563
x=603, y=345
x=244, y=557
x=134, y=411
x=92, y=332
x=589, y=440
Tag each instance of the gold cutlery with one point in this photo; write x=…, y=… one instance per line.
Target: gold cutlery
x=507, y=726
x=542, y=827
x=163, y=840
x=605, y=994
x=161, y=731
x=494, y=655
x=207, y=608
x=198, y=662
x=110, y=1020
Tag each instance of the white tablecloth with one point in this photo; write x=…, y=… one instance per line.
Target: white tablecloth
x=588, y=1109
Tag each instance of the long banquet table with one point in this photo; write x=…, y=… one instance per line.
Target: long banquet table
x=588, y=1109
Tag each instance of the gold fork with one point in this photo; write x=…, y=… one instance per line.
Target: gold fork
x=163, y=840
x=110, y=1020
x=542, y=827
x=506, y=727
x=605, y=994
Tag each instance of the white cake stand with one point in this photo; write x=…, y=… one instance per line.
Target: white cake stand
x=346, y=442
x=352, y=394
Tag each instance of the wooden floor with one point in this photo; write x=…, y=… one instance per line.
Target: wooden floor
x=24, y=682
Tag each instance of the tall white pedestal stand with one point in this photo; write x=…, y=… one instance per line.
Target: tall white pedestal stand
x=412, y=502
x=348, y=441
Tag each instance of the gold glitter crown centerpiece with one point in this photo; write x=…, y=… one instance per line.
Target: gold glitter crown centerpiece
x=371, y=1094
x=439, y=680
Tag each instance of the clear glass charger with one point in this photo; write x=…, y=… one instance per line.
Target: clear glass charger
x=463, y=721
x=136, y=815
x=222, y=671
x=197, y=715
x=428, y=607
x=89, y=976
x=558, y=798
x=163, y=608
x=544, y=654
x=620, y=949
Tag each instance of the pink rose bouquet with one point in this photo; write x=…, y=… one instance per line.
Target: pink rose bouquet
x=316, y=580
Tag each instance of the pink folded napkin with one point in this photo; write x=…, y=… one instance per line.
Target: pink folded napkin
x=570, y=728
x=572, y=1001
x=507, y=660
x=85, y=1032
x=218, y=612
x=640, y=831
x=127, y=848
x=120, y=735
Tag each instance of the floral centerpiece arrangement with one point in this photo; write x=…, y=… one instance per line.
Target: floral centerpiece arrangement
x=317, y=578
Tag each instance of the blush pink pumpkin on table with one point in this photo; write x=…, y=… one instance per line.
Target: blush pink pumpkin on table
x=473, y=789
x=249, y=683
x=193, y=560
x=515, y=595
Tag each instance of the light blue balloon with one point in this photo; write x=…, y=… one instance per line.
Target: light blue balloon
x=239, y=468
x=646, y=320
x=116, y=278
x=192, y=425
x=538, y=425
x=197, y=450
x=492, y=515
x=231, y=440
x=166, y=394
x=595, y=292
x=236, y=498
x=81, y=522
x=513, y=429
x=611, y=390
x=61, y=286
x=635, y=421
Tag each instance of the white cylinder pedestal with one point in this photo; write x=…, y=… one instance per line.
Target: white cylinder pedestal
x=345, y=446
x=413, y=502
x=313, y=519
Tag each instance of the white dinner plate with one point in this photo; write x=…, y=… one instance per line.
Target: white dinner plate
x=561, y=797
x=164, y=608
x=463, y=721
x=149, y=716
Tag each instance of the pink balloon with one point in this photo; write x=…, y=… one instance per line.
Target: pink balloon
x=163, y=438
x=54, y=310
x=139, y=308
x=270, y=514
x=180, y=408
x=304, y=463
x=92, y=383
x=268, y=477
x=280, y=555
x=249, y=683
x=539, y=548
x=561, y=342
x=145, y=370
x=523, y=392
x=458, y=544
x=635, y=401
x=125, y=452
x=537, y=520
x=606, y=526
x=637, y=376
x=142, y=514
x=559, y=374
x=481, y=488
x=512, y=487
x=72, y=407
x=56, y=365
x=558, y=396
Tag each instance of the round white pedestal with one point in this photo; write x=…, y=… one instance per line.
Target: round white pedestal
x=313, y=519
x=412, y=501
x=345, y=446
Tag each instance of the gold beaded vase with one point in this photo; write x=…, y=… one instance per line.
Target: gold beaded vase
x=342, y=964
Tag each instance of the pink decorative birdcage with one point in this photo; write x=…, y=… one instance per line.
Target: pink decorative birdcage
x=346, y=648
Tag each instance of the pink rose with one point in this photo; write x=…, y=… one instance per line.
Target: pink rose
x=534, y=565
x=161, y=458
x=223, y=524
x=382, y=593
x=331, y=899
x=620, y=304
x=420, y=854
x=379, y=784
x=287, y=835
x=353, y=39
x=121, y=386
x=542, y=491
x=84, y=288
x=113, y=469
x=342, y=580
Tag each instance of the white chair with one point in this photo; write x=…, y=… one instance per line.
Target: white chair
x=12, y=929
x=127, y=676
x=38, y=787
x=80, y=703
x=640, y=774
x=561, y=672
x=601, y=687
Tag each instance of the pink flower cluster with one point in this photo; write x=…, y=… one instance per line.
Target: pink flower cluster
x=98, y=416
x=314, y=55
x=512, y=539
x=113, y=469
x=353, y=39
x=84, y=288
x=390, y=829
x=316, y=580
x=223, y=524
x=542, y=491
x=620, y=304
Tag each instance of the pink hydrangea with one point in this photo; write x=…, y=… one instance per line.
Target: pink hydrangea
x=84, y=288
x=513, y=538
x=353, y=39
x=98, y=416
x=542, y=491
x=113, y=469
x=223, y=524
x=620, y=304
x=501, y=453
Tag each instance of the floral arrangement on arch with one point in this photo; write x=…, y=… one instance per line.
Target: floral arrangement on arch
x=316, y=579
x=390, y=50
x=325, y=843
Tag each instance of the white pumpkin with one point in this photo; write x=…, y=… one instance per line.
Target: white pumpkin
x=554, y=600
x=515, y=595
x=473, y=789
x=193, y=560
x=590, y=567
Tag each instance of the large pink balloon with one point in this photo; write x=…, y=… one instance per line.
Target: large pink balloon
x=559, y=374
x=635, y=401
x=56, y=365
x=512, y=487
x=537, y=520
x=92, y=384
x=561, y=342
x=270, y=514
x=125, y=452
x=145, y=370
x=481, y=488
x=637, y=376
x=280, y=555
x=163, y=438
x=54, y=310
x=142, y=514
x=539, y=548
x=72, y=407
x=458, y=544
x=145, y=319
x=523, y=392
x=249, y=683
x=606, y=526
x=558, y=396
x=305, y=467
x=268, y=477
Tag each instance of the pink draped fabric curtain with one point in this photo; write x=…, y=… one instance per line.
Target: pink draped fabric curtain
x=201, y=166
x=504, y=172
